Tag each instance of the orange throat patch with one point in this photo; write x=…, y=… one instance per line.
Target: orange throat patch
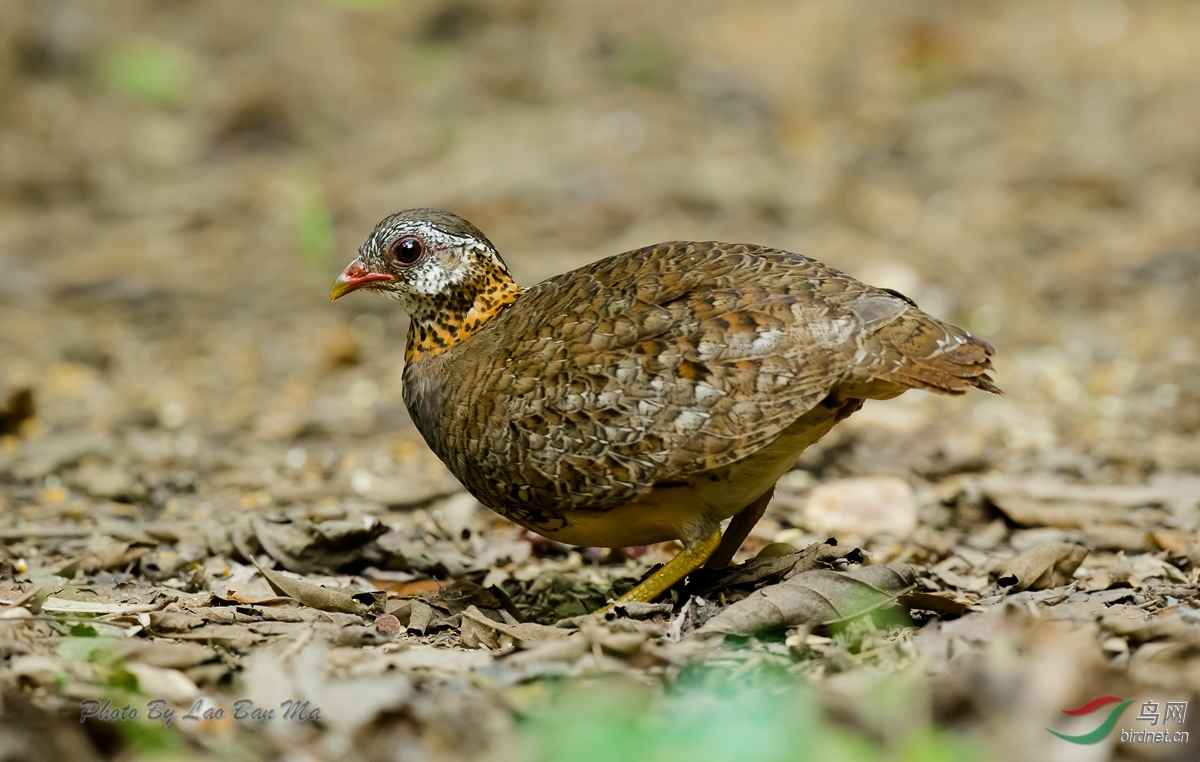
x=456, y=316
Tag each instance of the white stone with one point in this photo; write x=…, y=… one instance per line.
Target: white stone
x=865, y=507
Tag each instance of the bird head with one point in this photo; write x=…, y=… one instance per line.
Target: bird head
x=421, y=257
x=443, y=271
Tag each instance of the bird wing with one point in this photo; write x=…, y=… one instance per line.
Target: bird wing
x=652, y=366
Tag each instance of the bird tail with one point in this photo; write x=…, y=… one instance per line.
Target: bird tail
x=918, y=351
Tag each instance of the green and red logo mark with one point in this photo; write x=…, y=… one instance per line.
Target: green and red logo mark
x=1105, y=728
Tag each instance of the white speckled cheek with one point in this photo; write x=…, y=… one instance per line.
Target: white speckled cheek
x=430, y=278
x=450, y=267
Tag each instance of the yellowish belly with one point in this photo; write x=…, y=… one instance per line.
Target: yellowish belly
x=692, y=510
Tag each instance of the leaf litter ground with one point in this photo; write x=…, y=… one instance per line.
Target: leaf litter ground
x=211, y=496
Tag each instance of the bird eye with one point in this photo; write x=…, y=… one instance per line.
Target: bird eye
x=407, y=250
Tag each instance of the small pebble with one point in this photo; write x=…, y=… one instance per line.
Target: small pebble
x=388, y=624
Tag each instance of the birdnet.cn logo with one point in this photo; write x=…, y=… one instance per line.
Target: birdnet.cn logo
x=1174, y=712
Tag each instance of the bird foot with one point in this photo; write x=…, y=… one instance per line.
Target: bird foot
x=684, y=563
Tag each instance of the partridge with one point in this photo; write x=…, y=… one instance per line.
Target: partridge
x=648, y=396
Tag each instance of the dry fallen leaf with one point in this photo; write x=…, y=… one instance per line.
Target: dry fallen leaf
x=815, y=598
x=525, y=631
x=169, y=684
x=1137, y=569
x=1042, y=566
x=418, y=618
x=944, y=602
x=476, y=635
x=323, y=598
x=774, y=568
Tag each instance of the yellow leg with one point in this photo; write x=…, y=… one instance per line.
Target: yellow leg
x=684, y=562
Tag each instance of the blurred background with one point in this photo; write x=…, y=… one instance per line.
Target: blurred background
x=180, y=181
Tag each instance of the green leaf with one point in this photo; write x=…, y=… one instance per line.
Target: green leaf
x=314, y=226
x=641, y=62
x=147, y=70
x=123, y=681
x=152, y=740
x=84, y=646
x=712, y=715
x=83, y=631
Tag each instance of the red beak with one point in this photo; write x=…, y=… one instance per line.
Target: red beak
x=356, y=276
